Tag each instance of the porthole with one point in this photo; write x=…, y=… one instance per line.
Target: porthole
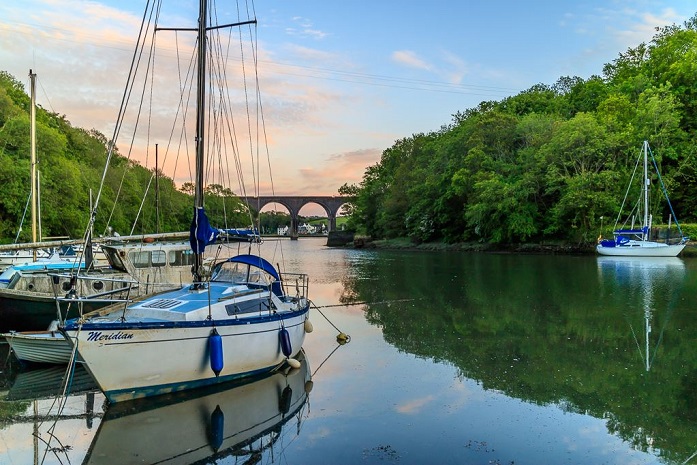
x=98, y=285
x=66, y=286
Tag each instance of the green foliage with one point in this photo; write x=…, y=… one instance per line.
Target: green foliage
x=547, y=163
x=71, y=163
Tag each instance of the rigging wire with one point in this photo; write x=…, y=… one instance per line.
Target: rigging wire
x=665, y=192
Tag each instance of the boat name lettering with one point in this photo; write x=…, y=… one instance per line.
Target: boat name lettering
x=98, y=336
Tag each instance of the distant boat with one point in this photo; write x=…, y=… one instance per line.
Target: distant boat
x=16, y=257
x=240, y=317
x=634, y=242
x=240, y=420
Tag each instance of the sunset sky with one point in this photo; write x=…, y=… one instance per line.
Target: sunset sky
x=346, y=79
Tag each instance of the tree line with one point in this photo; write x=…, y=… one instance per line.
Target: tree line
x=550, y=163
x=71, y=161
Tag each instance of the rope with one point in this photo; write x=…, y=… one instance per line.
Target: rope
x=62, y=401
x=344, y=338
x=665, y=194
x=325, y=316
x=365, y=302
x=325, y=360
x=26, y=207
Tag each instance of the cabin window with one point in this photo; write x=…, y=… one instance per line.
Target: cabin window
x=159, y=258
x=148, y=258
x=248, y=306
x=140, y=259
x=181, y=257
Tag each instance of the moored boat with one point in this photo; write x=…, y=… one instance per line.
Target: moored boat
x=239, y=323
x=239, y=317
x=636, y=242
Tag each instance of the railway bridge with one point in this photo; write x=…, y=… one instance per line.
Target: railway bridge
x=330, y=203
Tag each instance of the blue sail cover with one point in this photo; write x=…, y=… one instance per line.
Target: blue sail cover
x=201, y=233
x=643, y=230
x=246, y=234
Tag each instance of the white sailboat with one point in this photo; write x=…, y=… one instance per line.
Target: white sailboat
x=238, y=318
x=635, y=242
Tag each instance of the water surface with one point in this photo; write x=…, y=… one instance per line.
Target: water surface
x=454, y=358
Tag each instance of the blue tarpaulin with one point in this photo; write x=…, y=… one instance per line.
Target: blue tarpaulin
x=201, y=233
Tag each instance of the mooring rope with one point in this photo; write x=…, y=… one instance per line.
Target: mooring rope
x=363, y=302
x=343, y=338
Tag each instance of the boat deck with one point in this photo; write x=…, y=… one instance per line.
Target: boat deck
x=186, y=304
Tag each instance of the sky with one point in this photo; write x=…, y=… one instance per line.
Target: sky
x=347, y=79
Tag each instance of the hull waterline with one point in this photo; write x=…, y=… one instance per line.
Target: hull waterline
x=660, y=250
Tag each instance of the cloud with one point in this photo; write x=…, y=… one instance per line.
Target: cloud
x=451, y=68
x=307, y=54
x=415, y=405
x=641, y=27
x=304, y=28
x=410, y=59
x=622, y=28
x=456, y=69
x=81, y=52
x=336, y=170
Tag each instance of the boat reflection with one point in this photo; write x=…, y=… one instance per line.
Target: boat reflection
x=40, y=425
x=48, y=382
x=243, y=420
x=648, y=283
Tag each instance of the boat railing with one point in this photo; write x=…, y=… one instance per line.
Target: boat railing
x=126, y=286
x=297, y=283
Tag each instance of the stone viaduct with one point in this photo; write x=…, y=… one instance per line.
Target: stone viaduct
x=294, y=203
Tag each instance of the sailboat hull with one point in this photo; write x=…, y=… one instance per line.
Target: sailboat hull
x=641, y=249
x=40, y=347
x=142, y=360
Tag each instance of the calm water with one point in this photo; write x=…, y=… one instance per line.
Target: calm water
x=454, y=358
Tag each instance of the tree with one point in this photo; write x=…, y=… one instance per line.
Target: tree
x=188, y=188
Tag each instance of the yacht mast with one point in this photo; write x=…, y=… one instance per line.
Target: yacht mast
x=645, y=235
x=200, y=122
x=32, y=126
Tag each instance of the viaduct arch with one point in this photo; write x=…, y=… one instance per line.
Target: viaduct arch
x=330, y=203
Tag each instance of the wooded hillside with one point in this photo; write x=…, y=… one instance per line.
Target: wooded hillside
x=549, y=162
x=71, y=162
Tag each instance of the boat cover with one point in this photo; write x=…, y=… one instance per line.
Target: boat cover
x=257, y=261
x=201, y=233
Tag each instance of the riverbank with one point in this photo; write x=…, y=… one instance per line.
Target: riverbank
x=551, y=248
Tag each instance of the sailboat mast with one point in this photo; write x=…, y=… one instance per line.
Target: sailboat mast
x=200, y=120
x=32, y=126
x=200, y=102
x=646, y=191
